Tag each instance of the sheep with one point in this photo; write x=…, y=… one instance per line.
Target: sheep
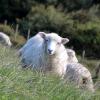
x=35, y=40
x=48, y=53
x=5, y=40
x=79, y=75
x=71, y=56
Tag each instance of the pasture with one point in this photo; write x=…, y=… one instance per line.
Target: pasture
x=27, y=84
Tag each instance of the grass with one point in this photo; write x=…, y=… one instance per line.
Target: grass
x=25, y=84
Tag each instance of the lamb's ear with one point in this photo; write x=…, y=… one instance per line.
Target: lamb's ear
x=65, y=40
x=42, y=34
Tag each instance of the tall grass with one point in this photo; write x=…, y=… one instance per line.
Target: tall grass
x=26, y=84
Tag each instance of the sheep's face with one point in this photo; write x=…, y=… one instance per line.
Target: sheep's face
x=53, y=42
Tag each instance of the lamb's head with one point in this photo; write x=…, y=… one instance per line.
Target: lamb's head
x=70, y=52
x=53, y=42
x=71, y=55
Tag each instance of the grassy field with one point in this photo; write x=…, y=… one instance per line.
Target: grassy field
x=25, y=84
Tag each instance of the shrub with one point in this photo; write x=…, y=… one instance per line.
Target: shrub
x=72, y=5
x=87, y=37
x=46, y=19
x=12, y=9
x=67, y=4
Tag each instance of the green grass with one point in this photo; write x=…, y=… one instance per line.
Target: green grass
x=25, y=84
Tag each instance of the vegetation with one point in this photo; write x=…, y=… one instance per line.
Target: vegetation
x=78, y=20
x=21, y=84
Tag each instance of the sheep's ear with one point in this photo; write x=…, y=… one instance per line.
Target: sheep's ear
x=65, y=40
x=42, y=34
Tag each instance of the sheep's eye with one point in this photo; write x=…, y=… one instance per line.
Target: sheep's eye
x=58, y=43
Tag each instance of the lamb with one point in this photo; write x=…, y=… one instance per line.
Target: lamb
x=79, y=75
x=48, y=53
x=5, y=40
x=71, y=56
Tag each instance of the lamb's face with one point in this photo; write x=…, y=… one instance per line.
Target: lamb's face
x=53, y=42
x=71, y=55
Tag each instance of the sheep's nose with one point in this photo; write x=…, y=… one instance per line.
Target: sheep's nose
x=50, y=51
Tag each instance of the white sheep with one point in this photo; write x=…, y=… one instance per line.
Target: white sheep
x=71, y=56
x=79, y=75
x=33, y=41
x=5, y=40
x=47, y=52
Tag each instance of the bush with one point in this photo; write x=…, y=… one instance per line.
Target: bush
x=86, y=34
x=10, y=32
x=46, y=19
x=87, y=37
x=67, y=4
x=12, y=9
x=84, y=16
x=70, y=5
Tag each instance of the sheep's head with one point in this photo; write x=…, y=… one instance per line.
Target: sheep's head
x=53, y=42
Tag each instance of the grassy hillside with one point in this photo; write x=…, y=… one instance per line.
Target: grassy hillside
x=21, y=84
